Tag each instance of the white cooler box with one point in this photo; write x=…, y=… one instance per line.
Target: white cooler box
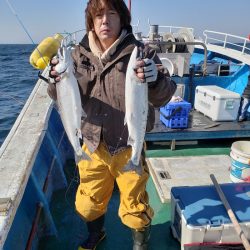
x=217, y=103
x=199, y=217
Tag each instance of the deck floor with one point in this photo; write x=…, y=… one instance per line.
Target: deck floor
x=187, y=171
x=199, y=127
x=72, y=231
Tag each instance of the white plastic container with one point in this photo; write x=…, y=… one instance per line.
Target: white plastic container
x=198, y=215
x=242, y=148
x=217, y=103
x=240, y=161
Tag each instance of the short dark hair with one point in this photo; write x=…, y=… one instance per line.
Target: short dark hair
x=94, y=6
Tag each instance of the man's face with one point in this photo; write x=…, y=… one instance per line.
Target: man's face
x=107, y=26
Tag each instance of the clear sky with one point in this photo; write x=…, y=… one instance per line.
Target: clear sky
x=46, y=17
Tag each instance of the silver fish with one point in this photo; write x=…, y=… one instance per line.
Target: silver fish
x=69, y=102
x=136, y=104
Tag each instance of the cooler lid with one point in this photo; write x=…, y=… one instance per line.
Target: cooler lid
x=201, y=205
x=176, y=104
x=218, y=92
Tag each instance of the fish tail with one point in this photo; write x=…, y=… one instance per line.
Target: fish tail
x=85, y=157
x=130, y=166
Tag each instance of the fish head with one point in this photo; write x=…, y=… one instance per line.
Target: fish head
x=132, y=65
x=134, y=55
x=64, y=58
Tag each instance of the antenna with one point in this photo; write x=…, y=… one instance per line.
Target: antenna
x=129, y=5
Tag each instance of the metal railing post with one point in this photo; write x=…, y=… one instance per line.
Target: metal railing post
x=244, y=46
x=225, y=41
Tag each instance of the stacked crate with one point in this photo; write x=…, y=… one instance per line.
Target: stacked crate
x=175, y=114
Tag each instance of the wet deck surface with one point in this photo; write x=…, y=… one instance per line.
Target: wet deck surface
x=199, y=127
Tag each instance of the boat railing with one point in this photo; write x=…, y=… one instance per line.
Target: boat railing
x=173, y=29
x=73, y=37
x=136, y=26
x=227, y=40
x=169, y=28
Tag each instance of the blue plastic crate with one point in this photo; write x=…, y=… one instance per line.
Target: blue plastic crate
x=175, y=114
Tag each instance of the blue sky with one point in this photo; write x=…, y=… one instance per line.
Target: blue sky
x=46, y=17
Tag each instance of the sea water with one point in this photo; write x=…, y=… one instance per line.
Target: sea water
x=17, y=79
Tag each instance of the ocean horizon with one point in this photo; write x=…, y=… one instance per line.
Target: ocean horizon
x=17, y=79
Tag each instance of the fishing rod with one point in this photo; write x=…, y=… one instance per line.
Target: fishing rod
x=19, y=20
x=24, y=28
x=3, y=93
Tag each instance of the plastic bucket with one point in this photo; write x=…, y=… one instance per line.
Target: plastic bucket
x=241, y=148
x=240, y=161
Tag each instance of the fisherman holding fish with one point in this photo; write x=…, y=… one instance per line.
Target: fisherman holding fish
x=107, y=61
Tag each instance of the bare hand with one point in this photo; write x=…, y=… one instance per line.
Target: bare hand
x=139, y=71
x=53, y=73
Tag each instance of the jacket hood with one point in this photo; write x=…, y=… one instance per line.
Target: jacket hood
x=85, y=40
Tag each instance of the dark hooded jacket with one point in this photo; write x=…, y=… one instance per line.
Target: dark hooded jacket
x=102, y=89
x=246, y=92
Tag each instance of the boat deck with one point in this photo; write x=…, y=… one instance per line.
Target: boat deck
x=168, y=172
x=199, y=127
x=72, y=231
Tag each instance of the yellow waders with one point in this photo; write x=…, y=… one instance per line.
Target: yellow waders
x=96, y=186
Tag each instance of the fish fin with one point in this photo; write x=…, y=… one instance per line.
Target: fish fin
x=130, y=141
x=81, y=155
x=130, y=166
x=84, y=115
x=125, y=120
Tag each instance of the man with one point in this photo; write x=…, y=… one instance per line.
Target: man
x=245, y=102
x=101, y=61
